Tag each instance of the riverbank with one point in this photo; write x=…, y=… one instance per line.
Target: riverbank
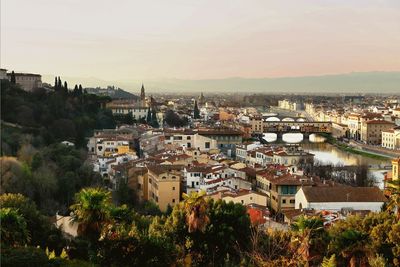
x=350, y=149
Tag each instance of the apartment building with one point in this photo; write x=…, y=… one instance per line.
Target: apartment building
x=280, y=188
x=164, y=185
x=371, y=131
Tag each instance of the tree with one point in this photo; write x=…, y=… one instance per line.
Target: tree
x=196, y=211
x=12, y=78
x=196, y=111
x=129, y=118
x=13, y=228
x=59, y=83
x=309, y=237
x=65, y=88
x=148, y=118
x=353, y=246
x=154, y=120
x=91, y=211
x=55, y=83
x=393, y=188
x=37, y=225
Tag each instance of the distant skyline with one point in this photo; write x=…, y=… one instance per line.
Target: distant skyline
x=199, y=40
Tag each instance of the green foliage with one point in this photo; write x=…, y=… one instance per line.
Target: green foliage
x=91, y=210
x=196, y=111
x=174, y=120
x=352, y=245
x=23, y=257
x=42, y=232
x=377, y=261
x=309, y=238
x=53, y=116
x=329, y=262
x=14, y=231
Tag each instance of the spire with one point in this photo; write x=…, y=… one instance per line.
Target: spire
x=142, y=94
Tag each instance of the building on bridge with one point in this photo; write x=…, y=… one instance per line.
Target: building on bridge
x=260, y=126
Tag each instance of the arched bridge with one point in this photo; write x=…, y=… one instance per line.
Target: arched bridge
x=296, y=127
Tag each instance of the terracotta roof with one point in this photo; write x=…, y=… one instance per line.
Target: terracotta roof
x=343, y=194
x=379, y=122
x=159, y=169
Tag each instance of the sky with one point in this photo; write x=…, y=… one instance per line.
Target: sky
x=125, y=40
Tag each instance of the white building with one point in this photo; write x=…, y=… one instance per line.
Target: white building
x=27, y=81
x=391, y=139
x=210, y=178
x=189, y=139
x=339, y=197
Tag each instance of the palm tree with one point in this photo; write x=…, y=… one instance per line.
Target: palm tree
x=307, y=232
x=353, y=246
x=393, y=188
x=196, y=206
x=91, y=210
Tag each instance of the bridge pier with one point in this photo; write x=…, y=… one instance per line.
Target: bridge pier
x=279, y=137
x=306, y=137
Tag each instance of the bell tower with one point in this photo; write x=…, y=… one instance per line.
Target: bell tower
x=142, y=94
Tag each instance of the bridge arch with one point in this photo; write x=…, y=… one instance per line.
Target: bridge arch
x=287, y=119
x=292, y=137
x=272, y=119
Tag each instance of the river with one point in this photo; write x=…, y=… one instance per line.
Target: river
x=329, y=154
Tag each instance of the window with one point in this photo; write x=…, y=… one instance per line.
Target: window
x=164, y=177
x=284, y=201
x=207, y=144
x=292, y=201
x=189, y=145
x=288, y=189
x=173, y=200
x=149, y=181
x=188, y=138
x=173, y=188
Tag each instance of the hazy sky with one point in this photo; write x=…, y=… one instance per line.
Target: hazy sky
x=201, y=39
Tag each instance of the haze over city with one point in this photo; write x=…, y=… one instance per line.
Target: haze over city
x=201, y=45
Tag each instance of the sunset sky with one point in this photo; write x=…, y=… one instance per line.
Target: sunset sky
x=200, y=39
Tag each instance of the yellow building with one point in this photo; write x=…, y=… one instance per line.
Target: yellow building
x=164, y=185
x=243, y=196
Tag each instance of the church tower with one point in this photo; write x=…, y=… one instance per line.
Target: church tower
x=142, y=94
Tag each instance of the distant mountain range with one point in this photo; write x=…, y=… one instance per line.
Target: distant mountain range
x=355, y=82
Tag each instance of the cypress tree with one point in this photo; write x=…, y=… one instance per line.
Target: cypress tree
x=196, y=111
x=80, y=91
x=12, y=78
x=55, y=83
x=59, y=84
x=154, y=120
x=148, y=119
x=65, y=85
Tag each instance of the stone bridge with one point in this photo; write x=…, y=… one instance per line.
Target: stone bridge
x=304, y=127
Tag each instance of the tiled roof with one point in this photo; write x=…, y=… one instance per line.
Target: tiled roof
x=343, y=194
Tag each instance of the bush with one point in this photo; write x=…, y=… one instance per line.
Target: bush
x=23, y=257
